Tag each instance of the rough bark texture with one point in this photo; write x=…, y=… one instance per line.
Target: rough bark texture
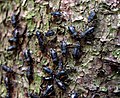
x=95, y=75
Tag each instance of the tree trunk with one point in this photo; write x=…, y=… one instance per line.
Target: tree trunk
x=94, y=73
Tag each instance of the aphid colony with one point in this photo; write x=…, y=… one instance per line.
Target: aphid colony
x=57, y=75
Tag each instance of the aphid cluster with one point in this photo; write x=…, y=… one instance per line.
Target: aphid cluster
x=85, y=33
x=29, y=63
x=56, y=75
x=14, y=20
x=14, y=41
x=8, y=80
x=40, y=41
